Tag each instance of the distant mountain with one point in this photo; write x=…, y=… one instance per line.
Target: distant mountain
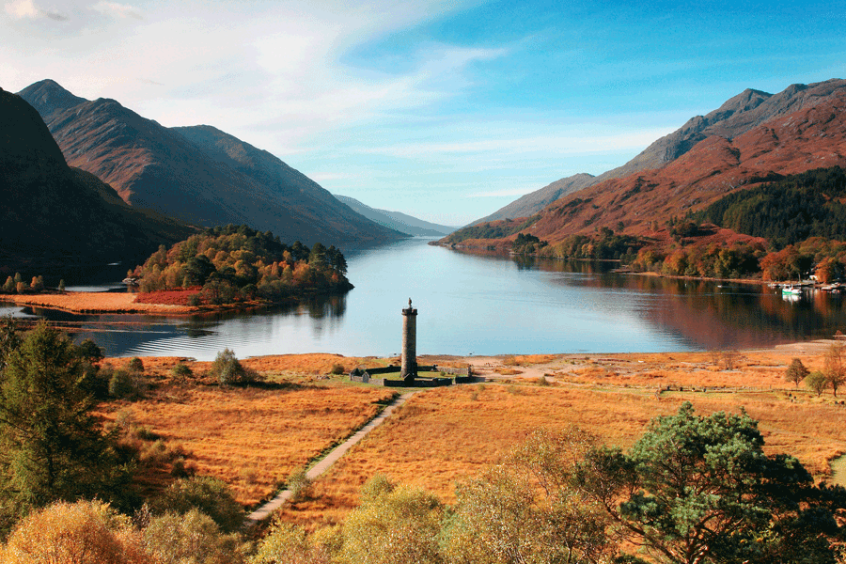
x=531, y=204
x=812, y=136
x=52, y=213
x=736, y=116
x=397, y=220
x=197, y=174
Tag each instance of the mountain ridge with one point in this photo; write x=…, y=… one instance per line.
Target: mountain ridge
x=180, y=173
x=734, y=117
x=53, y=213
x=397, y=220
x=808, y=138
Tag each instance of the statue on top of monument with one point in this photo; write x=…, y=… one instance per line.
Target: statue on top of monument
x=409, y=303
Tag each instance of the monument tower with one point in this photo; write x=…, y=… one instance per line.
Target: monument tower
x=409, y=343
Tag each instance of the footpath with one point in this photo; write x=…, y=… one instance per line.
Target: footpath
x=334, y=455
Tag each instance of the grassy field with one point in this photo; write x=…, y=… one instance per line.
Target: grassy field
x=252, y=438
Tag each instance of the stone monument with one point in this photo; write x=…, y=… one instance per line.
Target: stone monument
x=408, y=370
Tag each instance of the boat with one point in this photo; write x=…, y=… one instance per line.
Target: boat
x=791, y=290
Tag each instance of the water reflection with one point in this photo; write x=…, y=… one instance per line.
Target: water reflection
x=487, y=304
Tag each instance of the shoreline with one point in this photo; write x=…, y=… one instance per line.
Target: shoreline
x=123, y=303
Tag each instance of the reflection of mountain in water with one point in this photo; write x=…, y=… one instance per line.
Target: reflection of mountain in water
x=713, y=315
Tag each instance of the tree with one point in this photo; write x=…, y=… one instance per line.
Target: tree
x=394, y=525
x=525, y=510
x=796, y=372
x=62, y=285
x=51, y=445
x=835, y=367
x=817, y=382
x=699, y=489
x=228, y=370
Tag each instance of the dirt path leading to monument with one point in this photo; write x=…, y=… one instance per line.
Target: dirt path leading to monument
x=334, y=455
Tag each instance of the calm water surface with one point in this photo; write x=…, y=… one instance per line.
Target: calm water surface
x=482, y=305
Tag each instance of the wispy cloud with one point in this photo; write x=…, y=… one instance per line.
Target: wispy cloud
x=27, y=9
x=567, y=143
x=115, y=10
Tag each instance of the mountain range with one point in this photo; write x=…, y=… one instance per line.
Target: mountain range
x=397, y=220
x=736, y=116
x=53, y=213
x=199, y=174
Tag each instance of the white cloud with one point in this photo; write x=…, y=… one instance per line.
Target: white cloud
x=22, y=9
x=115, y=10
x=27, y=9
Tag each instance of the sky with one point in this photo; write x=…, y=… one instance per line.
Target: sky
x=443, y=109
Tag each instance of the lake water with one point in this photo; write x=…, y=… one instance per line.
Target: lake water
x=482, y=305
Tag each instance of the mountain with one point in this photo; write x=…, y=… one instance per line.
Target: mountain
x=812, y=136
x=397, y=220
x=52, y=213
x=735, y=117
x=197, y=174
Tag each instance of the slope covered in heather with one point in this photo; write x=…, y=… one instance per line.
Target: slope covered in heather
x=735, y=117
x=806, y=139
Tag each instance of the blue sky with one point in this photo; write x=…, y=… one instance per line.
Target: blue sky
x=446, y=110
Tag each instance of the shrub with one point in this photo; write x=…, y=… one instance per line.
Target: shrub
x=190, y=538
x=181, y=371
x=136, y=364
x=290, y=544
x=124, y=385
x=337, y=368
x=299, y=484
x=83, y=532
x=227, y=370
x=207, y=494
x=816, y=382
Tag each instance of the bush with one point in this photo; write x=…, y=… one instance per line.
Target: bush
x=136, y=365
x=207, y=494
x=83, y=532
x=123, y=385
x=181, y=371
x=190, y=538
x=337, y=368
x=227, y=370
x=299, y=484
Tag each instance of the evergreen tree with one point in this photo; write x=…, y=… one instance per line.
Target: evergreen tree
x=701, y=490
x=51, y=446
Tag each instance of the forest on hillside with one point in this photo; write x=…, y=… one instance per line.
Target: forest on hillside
x=238, y=263
x=788, y=211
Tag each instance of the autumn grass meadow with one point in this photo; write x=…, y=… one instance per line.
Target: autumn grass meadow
x=253, y=438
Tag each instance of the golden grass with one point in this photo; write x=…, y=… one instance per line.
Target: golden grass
x=250, y=438
x=303, y=363
x=446, y=435
x=253, y=438
x=95, y=302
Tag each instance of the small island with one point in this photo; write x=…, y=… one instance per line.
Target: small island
x=220, y=268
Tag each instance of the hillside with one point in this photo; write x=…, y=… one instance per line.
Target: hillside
x=397, y=220
x=54, y=214
x=197, y=174
x=806, y=139
x=735, y=117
